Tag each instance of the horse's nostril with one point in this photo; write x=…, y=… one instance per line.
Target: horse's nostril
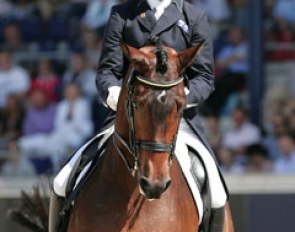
x=167, y=184
x=144, y=183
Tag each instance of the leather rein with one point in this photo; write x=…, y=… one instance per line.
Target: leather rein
x=135, y=144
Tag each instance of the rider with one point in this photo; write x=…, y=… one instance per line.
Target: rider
x=179, y=25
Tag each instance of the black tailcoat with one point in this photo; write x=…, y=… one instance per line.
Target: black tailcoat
x=181, y=26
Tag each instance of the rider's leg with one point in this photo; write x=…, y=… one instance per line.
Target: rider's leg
x=56, y=203
x=217, y=190
x=217, y=220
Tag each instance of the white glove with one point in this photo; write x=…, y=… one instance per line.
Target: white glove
x=186, y=91
x=113, y=97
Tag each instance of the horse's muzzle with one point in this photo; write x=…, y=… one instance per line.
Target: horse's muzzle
x=152, y=189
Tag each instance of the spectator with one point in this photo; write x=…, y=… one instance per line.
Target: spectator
x=72, y=122
x=286, y=162
x=218, y=12
x=40, y=114
x=13, y=79
x=212, y=132
x=275, y=100
x=285, y=9
x=17, y=166
x=243, y=134
x=23, y=9
x=240, y=12
x=12, y=39
x=258, y=159
x=72, y=125
x=92, y=46
x=227, y=162
x=45, y=8
x=37, y=126
x=11, y=119
x=46, y=80
x=289, y=112
x=292, y=120
x=232, y=63
x=291, y=83
x=81, y=75
x=279, y=126
x=76, y=8
x=5, y=7
x=97, y=14
x=282, y=35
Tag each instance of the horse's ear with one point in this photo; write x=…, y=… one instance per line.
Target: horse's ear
x=133, y=54
x=186, y=57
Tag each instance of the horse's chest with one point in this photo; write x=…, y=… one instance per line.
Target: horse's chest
x=120, y=207
x=165, y=214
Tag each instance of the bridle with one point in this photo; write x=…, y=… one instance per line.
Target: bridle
x=135, y=144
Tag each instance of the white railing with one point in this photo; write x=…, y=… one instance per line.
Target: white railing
x=237, y=184
x=261, y=184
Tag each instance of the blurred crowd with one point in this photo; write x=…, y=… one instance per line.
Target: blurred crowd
x=49, y=105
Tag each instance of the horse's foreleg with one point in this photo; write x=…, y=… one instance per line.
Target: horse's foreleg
x=228, y=222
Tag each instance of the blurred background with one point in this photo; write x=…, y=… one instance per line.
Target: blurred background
x=49, y=104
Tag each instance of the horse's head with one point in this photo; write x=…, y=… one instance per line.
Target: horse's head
x=153, y=98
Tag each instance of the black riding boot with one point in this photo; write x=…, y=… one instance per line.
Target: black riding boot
x=54, y=210
x=213, y=219
x=217, y=220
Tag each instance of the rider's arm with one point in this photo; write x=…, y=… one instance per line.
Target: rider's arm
x=111, y=61
x=201, y=72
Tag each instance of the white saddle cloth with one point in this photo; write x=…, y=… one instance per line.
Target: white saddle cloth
x=185, y=137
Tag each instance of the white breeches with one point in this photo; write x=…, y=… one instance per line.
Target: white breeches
x=187, y=137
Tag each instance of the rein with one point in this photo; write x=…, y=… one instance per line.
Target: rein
x=134, y=144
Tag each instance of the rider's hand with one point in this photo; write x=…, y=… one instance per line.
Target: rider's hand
x=113, y=97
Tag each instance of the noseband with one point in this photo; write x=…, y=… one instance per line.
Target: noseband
x=136, y=144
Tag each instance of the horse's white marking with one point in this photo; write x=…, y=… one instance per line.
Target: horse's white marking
x=161, y=95
x=151, y=200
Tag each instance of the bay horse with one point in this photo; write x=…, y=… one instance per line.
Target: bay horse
x=136, y=186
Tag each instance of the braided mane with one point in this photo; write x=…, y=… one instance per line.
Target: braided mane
x=161, y=54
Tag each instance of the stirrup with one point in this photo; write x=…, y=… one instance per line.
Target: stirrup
x=56, y=203
x=217, y=220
